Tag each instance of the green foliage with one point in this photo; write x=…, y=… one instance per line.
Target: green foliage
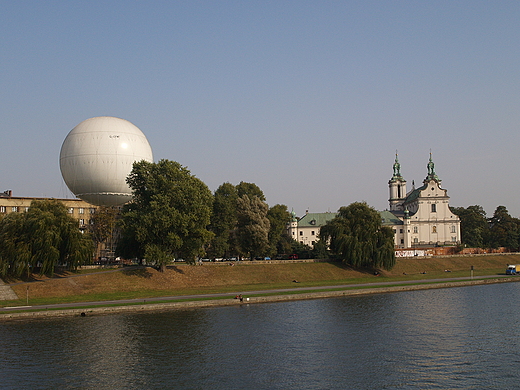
x=320, y=250
x=224, y=220
x=503, y=229
x=44, y=236
x=357, y=237
x=252, y=226
x=103, y=223
x=279, y=239
x=303, y=251
x=168, y=216
x=473, y=226
x=250, y=189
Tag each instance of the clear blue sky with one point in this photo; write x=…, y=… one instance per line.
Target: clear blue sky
x=308, y=99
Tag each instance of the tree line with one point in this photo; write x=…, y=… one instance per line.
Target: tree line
x=479, y=231
x=174, y=215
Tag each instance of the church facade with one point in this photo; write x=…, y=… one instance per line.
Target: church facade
x=424, y=215
x=420, y=218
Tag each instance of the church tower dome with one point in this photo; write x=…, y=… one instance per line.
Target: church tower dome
x=397, y=187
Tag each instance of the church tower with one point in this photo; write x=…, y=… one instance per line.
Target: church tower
x=431, y=172
x=397, y=188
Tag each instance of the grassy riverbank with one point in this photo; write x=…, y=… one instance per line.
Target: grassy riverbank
x=95, y=285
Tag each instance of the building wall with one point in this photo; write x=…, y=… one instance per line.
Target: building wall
x=77, y=208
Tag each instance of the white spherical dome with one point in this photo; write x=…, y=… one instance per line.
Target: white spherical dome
x=97, y=156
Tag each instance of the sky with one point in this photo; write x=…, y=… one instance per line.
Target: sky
x=310, y=100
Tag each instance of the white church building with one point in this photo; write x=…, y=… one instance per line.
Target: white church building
x=420, y=218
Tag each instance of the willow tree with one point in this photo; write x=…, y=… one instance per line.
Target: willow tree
x=168, y=216
x=43, y=237
x=357, y=237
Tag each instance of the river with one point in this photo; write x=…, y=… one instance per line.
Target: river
x=454, y=338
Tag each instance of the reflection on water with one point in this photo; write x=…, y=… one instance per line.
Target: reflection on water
x=449, y=338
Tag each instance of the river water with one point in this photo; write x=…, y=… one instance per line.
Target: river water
x=456, y=338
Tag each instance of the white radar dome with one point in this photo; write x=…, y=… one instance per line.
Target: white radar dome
x=97, y=156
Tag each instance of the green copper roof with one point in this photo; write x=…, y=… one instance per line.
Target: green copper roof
x=431, y=170
x=321, y=219
x=316, y=219
x=389, y=219
x=397, y=170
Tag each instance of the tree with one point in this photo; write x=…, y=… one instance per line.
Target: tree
x=503, y=229
x=252, y=226
x=473, y=225
x=45, y=236
x=103, y=226
x=357, y=237
x=250, y=189
x=279, y=239
x=224, y=220
x=168, y=216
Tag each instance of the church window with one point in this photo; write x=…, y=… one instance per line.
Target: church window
x=415, y=229
x=301, y=233
x=401, y=231
x=402, y=241
x=453, y=229
x=415, y=240
x=434, y=208
x=434, y=229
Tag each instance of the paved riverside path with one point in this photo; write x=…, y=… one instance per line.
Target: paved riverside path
x=6, y=292
x=251, y=293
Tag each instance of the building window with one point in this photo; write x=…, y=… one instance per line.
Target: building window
x=2, y=209
x=71, y=210
x=415, y=240
x=434, y=208
x=401, y=231
x=415, y=229
x=434, y=229
x=82, y=222
x=301, y=233
x=454, y=239
x=26, y=208
x=402, y=241
x=313, y=243
x=92, y=211
x=14, y=209
x=312, y=233
x=81, y=210
x=453, y=229
x=293, y=233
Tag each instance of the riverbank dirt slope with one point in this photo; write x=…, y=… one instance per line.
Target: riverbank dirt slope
x=222, y=277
